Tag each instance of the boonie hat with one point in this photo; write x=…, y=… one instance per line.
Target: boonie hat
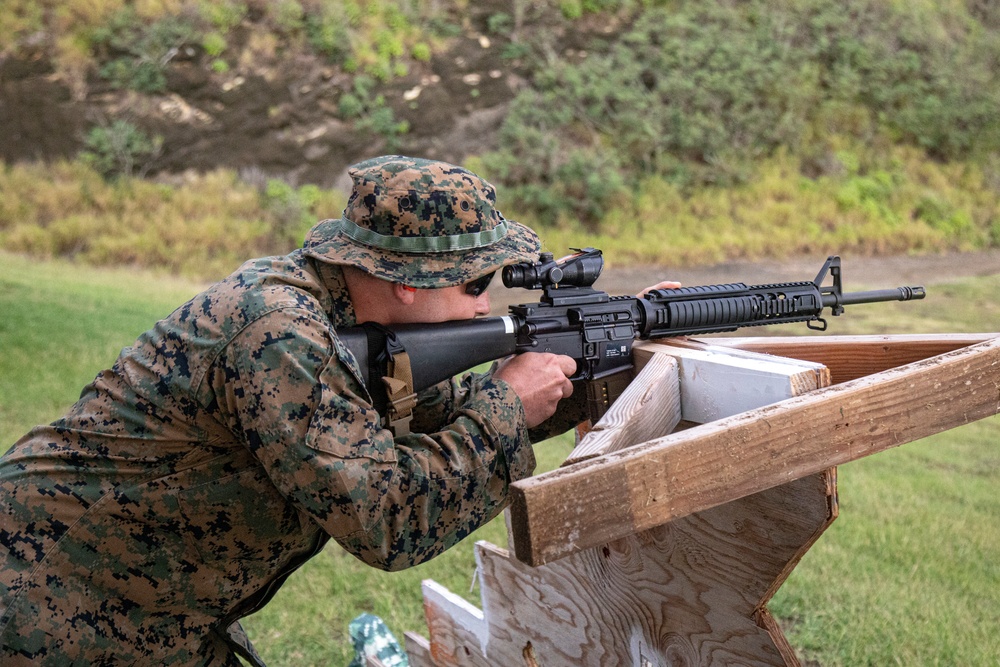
x=422, y=223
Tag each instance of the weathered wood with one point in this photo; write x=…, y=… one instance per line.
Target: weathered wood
x=596, y=501
x=716, y=383
x=648, y=408
x=688, y=593
x=457, y=629
x=418, y=650
x=692, y=592
x=851, y=357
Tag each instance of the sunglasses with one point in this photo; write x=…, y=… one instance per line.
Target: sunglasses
x=479, y=285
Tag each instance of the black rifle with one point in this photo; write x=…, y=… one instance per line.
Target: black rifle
x=595, y=329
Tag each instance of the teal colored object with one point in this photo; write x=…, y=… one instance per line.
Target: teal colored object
x=373, y=639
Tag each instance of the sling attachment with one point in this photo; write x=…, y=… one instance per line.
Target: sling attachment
x=388, y=360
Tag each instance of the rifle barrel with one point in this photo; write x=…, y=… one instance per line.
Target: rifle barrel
x=872, y=296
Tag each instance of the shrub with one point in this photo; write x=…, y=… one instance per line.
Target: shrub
x=701, y=87
x=698, y=93
x=120, y=149
x=370, y=112
x=135, y=53
x=290, y=211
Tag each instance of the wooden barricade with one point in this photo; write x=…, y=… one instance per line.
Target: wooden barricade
x=680, y=514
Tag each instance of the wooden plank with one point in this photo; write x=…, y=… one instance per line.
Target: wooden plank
x=648, y=408
x=418, y=650
x=715, y=383
x=458, y=629
x=851, y=357
x=593, y=502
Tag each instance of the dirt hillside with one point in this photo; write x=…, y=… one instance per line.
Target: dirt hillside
x=277, y=115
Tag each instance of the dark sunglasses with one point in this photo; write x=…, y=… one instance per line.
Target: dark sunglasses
x=479, y=285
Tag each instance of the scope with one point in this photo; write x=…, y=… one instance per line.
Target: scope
x=581, y=269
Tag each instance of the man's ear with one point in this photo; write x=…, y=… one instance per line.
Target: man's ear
x=404, y=293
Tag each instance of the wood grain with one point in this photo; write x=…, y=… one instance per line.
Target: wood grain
x=689, y=593
x=648, y=408
x=852, y=357
x=603, y=499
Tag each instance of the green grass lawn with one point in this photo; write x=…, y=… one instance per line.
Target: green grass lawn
x=908, y=575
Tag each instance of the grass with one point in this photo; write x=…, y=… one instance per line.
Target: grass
x=909, y=574
x=61, y=324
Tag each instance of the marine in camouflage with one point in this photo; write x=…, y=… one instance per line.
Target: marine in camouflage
x=234, y=438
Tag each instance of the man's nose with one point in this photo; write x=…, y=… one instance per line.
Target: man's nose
x=483, y=303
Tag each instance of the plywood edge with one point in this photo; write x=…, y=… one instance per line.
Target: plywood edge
x=458, y=629
x=418, y=650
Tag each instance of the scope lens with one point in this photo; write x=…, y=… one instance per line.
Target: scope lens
x=513, y=275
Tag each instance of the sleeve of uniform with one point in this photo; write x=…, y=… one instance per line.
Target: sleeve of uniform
x=436, y=404
x=392, y=503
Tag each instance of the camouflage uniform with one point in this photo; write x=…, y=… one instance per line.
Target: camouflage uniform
x=234, y=438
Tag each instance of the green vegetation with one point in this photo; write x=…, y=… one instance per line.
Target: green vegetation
x=131, y=43
x=120, y=149
x=710, y=131
x=907, y=575
x=889, y=199
x=697, y=93
x=205, y=227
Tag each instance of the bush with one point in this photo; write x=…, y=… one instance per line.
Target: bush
x=290, y=211
x=120, y=149
x=702, y=86
x=370, y=112
x=698, y=93
x=136, y=53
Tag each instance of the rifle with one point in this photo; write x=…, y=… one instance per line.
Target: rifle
x=595, y=329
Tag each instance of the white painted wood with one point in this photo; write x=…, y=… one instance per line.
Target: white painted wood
x=458, y=629
x=714, y=383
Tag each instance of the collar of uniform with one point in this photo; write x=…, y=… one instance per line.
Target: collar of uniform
x=331, y=277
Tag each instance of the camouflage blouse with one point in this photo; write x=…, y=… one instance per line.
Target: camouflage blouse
x=220, y=452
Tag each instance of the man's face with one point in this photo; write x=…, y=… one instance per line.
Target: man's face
x=444, y=305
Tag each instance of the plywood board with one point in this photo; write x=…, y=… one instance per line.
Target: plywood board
x=688, y=593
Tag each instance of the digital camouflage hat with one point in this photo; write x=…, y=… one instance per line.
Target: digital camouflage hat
x=421, y=223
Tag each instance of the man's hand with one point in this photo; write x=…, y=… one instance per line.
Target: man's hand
x=666, y=284
x=540, y=380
